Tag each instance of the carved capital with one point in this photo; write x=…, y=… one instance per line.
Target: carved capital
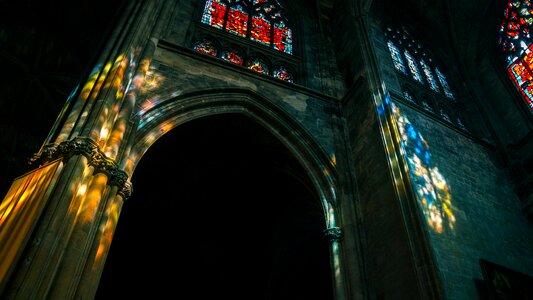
x=126, y=190
x=88, y=148
x=333, y=233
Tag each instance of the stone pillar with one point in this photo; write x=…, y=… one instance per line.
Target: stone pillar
x=63, y=255
x=334, y=236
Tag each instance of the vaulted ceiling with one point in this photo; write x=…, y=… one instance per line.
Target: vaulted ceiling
x=46, y=46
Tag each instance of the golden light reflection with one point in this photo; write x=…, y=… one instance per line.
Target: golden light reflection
x=103, y=135
x=432, y=191
x=107, y=230
x=149, y=103
x=153, y=80
x=91, y=201
x=333, y=160
x=19, y=211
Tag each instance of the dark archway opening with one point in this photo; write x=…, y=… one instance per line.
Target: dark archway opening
x=220, y=210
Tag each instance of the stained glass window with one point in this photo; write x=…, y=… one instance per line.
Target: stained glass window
x=260, y=29
x=444, y=84
x=411, y=62
x=282, y=37
x=262, y=21
x=396, y=57
x=282, y=73
x=429, y=76
x=515, y=29
x=237, y=21
x=258, y=65
x=516, y=46
x=214, y=13
x=232, y=56
x=205, y=47
x=408, y=53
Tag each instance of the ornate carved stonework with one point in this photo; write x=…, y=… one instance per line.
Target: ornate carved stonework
x=88, y=148
x=126, y=190
x=333, y=233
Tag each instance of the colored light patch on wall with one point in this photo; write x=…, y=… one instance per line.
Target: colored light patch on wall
x=260, y=31
x=432, y=191
x=237, y=21
x=521, y=73
x=232, y=56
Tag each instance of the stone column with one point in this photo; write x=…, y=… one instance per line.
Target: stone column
x=334, y=236
x=64, y=255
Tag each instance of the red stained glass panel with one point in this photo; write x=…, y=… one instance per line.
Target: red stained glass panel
x=282, y=38
x=237, y=21
x=214, y=13
x=283, y=74
x=258, y=65
x=232, y=56
x=521, y=72
x=260, y=31
x=205, y=47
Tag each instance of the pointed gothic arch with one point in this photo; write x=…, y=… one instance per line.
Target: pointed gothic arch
x=233, y=199
x=177, y=111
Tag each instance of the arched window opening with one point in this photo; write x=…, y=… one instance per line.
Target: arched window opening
x=248, y=33
x=232, y=56
x=206, y=47
x=422, y=79
x=396, y=57
x=444, y=84
x=282, y=73
x=260, y=21
x=258, y=65
x=429, y=76
x=411, y=62
x=516, y=46
x=404, y=48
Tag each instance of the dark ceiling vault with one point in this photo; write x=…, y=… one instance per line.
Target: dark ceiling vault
x=220, y=209
x=46, y=47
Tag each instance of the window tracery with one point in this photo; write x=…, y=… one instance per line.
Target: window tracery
x=423, y=82
x=516, y=46
x=251, y=24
